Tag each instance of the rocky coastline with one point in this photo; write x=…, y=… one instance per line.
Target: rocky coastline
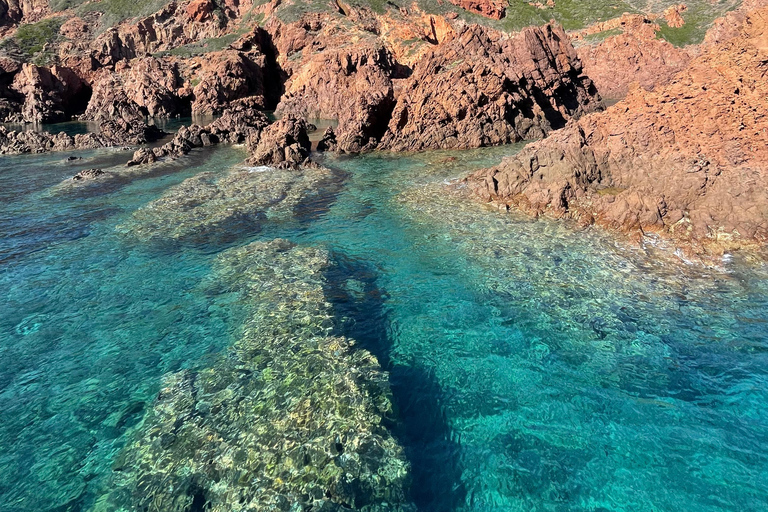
x=686, y=161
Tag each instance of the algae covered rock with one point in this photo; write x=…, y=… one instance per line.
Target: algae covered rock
x=290, y=418
x=214, y=204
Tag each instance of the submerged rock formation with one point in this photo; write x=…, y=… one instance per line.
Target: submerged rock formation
x=222, y=206
x=482, y=89
x=291, y=418
x=688, y=161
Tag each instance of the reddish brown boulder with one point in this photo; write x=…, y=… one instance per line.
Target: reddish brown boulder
x=283, y=144
x=482, y=89
x=688, y=160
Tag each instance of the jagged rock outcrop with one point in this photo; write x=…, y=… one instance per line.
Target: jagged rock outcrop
x=494, y=9
x=120, y=119
x=15, y=11
x=284, y=144
x=636, y=55
x=14, y=142
x=176, y=24
x=482, y=89
x=230, y=77
x=145, y=87
x=156, y=87
x=49, y=95
x=235, y=126
x=353, y=86
x=688, y=160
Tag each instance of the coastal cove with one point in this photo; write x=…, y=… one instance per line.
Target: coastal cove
x=530, y=364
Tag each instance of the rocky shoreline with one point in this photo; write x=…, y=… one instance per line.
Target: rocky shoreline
x=686, y=161
x=667, y=158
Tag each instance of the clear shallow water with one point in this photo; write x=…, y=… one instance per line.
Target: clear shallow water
x=534, y=367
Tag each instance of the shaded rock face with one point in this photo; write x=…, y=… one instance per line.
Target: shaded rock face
x=688, y=160
x=636, y=55
x=292, y=418
x=149, y=87
x=49, y=95
x=121, y=120
x=15, y=11
x=230, y=77
x=353, y=86
x=155, y=86
x=480, y=89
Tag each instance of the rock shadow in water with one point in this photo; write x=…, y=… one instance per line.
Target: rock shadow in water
x=420, y=426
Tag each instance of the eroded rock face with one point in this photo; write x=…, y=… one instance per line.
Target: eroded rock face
x=156, y=87
x=292, y=418
x=120, y=119
x=688, y=160
x=230, y=77
x=636, y=55
x=352, y=85
x=494, y=9
x=482, y=89
x=49, y=95
x=14, y=11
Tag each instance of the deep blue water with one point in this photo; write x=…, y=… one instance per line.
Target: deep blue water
x=534, y=367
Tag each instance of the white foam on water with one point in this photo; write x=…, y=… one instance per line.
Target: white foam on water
x=259, y=168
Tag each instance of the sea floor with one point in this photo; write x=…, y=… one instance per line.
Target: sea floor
x=533, y=366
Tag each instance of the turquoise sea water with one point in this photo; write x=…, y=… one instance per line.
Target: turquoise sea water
x=534, y=367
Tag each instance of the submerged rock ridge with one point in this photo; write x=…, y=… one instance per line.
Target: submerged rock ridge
x=688, y=161
x=482, y=88
x=292, y=417
x=221, y=206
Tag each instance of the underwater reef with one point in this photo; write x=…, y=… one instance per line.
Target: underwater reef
x=213, y=204
x=291, y=417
